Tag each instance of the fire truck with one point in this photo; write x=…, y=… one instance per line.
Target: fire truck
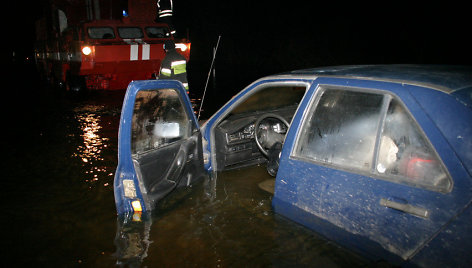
x=101, y=44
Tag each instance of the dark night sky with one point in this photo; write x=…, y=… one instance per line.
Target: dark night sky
x=261, y=38
x=265, y=37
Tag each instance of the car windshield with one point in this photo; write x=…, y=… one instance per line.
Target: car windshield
x=101, y=33
x=271, y=98
x=157, y=32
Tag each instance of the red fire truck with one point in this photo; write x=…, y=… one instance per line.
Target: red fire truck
x=101, y=44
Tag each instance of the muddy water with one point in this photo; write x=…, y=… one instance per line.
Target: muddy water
x=233, y=225
x=58, y=208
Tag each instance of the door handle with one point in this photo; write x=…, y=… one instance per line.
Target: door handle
x=410, y=209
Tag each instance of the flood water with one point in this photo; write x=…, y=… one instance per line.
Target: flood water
x=59, y=211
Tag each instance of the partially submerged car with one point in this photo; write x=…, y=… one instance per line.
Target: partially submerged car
x=376, y=158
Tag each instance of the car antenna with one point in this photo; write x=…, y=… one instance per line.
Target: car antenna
x=208, y=77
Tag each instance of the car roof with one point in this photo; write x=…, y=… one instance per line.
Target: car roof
x=445, y=78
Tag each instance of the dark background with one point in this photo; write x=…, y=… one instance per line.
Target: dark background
x=54, y=212
x=259, y=38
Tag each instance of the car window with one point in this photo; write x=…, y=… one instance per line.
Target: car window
x=159, y=119
x=157, y=32
x=101, y=32
x=342, y=129
x=405, y=153
x=278, y=96
x=130, y=32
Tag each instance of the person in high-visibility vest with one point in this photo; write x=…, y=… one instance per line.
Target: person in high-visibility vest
x=174, y=65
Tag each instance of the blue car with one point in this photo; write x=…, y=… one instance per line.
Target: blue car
x=376, y=158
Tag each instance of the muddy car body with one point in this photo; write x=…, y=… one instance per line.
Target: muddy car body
x=376, y=158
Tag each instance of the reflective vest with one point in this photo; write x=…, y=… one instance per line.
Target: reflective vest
x=174, y=66
x=165, y=8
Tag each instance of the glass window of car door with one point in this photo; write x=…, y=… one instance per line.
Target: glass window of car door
x=343, y=129
x=158, y=120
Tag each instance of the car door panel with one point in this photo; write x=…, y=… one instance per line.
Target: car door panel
x=163, y=170
x=399, y=218
x=450, y=245
x=160, y=145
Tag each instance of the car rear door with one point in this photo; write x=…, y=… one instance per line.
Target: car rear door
x=159, y=145
x=335, y=172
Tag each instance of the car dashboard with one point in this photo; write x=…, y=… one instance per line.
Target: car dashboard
x=235, y=139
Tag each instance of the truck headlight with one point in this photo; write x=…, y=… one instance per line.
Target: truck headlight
x=86, y=50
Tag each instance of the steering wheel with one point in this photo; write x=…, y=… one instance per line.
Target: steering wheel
x=270, y=133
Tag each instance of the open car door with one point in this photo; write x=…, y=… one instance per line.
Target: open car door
x=159, y=145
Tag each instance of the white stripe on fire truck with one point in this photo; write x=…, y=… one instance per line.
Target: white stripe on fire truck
x=133, y=53
x=146, y=52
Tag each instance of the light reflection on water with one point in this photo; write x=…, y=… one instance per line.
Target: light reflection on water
x=61, y=208
x=91, y=150
x=93, y=143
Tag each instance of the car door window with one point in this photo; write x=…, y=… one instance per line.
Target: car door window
x=405, y=153
x=158, y=120
x=342, y=129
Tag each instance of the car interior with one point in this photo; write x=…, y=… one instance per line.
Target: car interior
x=250, y=133
x=254, y=130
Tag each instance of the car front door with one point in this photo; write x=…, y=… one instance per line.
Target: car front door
x=160, y=145
x=362, y=167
